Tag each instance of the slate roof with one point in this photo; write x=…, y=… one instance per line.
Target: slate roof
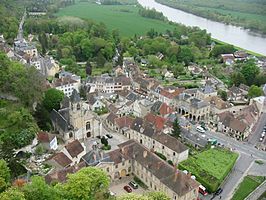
x=171, y=142
x=228, y=120
x=96, y=156
x=177, y=181
x=111, y=117
x=156, y=106
x=75, y=97
x=59, y=120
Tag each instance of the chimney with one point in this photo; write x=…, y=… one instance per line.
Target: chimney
x=189, y=175
x=159, y=164
x=145, y=153
x=176, y=175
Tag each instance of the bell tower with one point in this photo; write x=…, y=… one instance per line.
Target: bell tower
x=76, y=110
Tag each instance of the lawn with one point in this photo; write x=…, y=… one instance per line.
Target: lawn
x=122, y=17
x=249, y=184
x=210, y=167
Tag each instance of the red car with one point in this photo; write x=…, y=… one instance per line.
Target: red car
x=127, y=188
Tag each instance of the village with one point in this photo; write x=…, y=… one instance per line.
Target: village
x=124, y=123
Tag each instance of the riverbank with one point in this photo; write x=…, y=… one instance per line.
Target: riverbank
x=238, y=48
x=220, y=12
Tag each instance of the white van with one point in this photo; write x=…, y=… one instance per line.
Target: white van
x=200, y=129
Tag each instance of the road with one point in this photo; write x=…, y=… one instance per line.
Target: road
x=254, y=138
x=247, y=155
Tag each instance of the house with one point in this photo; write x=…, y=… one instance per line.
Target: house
x=228, y=59
x=75, y=120
x=157, y=174
x=74, y=151
x=167, y=95
x=108, y=84
x=59, y=161
x=232, y=126
x=67, y=84
x=240, y=55
x=95, y=103
x=161, y=108
x=159, y=55
x=158, y=121
x=194, y=69
x=60, y=176
x=48, y=141
x=193, y=108
x=235, y=94
x=206, y=91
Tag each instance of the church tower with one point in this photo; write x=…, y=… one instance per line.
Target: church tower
x=76, y=111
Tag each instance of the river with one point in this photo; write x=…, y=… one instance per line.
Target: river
x=227, y=33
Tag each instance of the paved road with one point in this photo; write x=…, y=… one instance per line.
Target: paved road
x=254, y=138
x=241, y=147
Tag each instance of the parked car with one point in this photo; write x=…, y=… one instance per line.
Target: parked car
x=200, y=129
x=109, y=136
x=133, y=184
x=219, y=191
x=98, y=136
x=127, y=188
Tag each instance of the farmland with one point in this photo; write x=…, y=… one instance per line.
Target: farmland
x=210, y=167
x=123, y=17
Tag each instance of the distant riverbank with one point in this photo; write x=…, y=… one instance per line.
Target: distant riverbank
x=234, y=35
x=219, y=12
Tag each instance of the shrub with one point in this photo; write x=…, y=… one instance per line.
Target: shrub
x=160, y=155
x=140, y=183
x=170, y=162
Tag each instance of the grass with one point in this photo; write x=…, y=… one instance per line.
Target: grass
x=259, y=162
x=249, y=184
x=122, y=17
x=210, y=166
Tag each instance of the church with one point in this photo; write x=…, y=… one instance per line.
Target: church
x=74, y=120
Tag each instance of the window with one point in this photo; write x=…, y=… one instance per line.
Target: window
x=116, y=166
x=173, y=153
x=123, y=163
x=70, y=134
x=78, y=107
x=88, y=125
x=163, y=147
x=107, y=169
x=88, y=134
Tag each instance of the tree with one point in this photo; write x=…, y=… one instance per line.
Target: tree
x=222, y=94
x=85, y=184
x=149, y=196
x=221, y=49
x=237, y=78
x=157, y=196
x=4, y=175
x=254, y=91
x=176, y=129
x=12, y=194
x=38, y=189
x=250, y=71
x=104, y=141
x=185, y=55
x=52, y=99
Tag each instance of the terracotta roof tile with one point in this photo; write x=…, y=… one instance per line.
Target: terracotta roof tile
x=74, y=148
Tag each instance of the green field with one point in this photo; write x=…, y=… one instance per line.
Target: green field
x=249, y=184
x=210, y=167
x=122, y=17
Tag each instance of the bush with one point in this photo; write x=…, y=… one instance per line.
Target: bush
x=170, y=162
x=107, y=147
x=140, y=183
x=160, y=155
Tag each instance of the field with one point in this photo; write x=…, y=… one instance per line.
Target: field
x=249, y=184
x=122, y=17
x=210, y=167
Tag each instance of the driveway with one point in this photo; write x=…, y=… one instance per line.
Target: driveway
x=118, y=187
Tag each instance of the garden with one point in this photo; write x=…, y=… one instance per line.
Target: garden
x=210, y=167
